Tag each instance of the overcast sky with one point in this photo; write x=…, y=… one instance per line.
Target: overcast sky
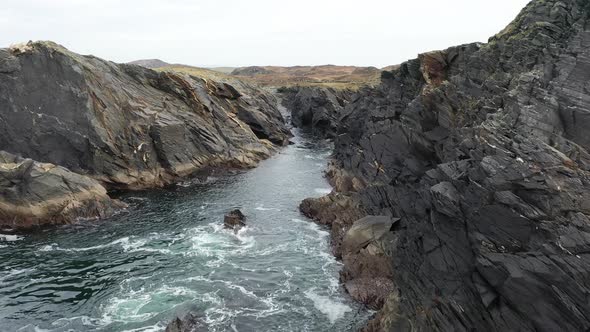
x=256, y=32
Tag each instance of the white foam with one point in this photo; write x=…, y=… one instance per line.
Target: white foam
x=332, y=309
x=129, y=245
x=13, y=273
x=220, y=316
x=62, y=323
x=10, y=238
x=262, y=208
x=126, y=243
x=313, y=227
x=158, y=327
x=323, y=191
x=133, y=198
x=130, y=305
x=33, y=327
x=316, y=228
x=271, y=250
x=184, y=184
x=207, y=243
x=249, y=241
x=242, y=290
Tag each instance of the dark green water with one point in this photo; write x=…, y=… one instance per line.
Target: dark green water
x=168, y=254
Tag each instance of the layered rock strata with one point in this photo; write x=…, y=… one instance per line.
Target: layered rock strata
x=128, y=126
x=481, y=151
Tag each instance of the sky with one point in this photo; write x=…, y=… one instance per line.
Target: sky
x=256, y=32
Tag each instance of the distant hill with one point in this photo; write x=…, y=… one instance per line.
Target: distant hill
x=328, y=75
x=390, y=68
x=150, y=63
x=277, y=76
x=225, y=70
x=200, y=72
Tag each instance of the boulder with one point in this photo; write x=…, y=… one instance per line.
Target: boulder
x=366, y=231
x=35, y=194
x=336, y=210
x=234, y=220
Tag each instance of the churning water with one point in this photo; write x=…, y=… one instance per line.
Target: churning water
x=169, y=254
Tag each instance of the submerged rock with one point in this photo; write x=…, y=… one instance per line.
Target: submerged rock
x=234, y=220
x=128, y=126
x=34, y=194
x=480, y=151
x=189, y=323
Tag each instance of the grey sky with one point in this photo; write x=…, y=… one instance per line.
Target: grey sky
x=256, y=32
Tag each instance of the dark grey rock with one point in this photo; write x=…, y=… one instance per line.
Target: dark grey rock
x=446, y=199
x=8, y=62
x=481, y=150
x=316, y=109
x=234, y=220
x=128, y=126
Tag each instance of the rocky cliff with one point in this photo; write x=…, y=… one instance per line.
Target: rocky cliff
x=478, y=155
x=315, y=108
x=128, y=126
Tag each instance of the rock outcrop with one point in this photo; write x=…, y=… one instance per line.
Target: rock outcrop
x=34, y=194
x=481, y=151
x=234, y=220
x=128, y=126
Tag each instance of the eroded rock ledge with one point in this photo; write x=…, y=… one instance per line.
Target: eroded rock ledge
x=481, y=152
x=36, y=194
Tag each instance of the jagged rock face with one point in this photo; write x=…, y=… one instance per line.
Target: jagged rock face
x=317, y=109
x=128, y=126
x=481, y=150
x=33, y=194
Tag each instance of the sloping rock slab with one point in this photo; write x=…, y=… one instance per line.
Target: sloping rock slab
x=366, y=230
x=33, y=194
